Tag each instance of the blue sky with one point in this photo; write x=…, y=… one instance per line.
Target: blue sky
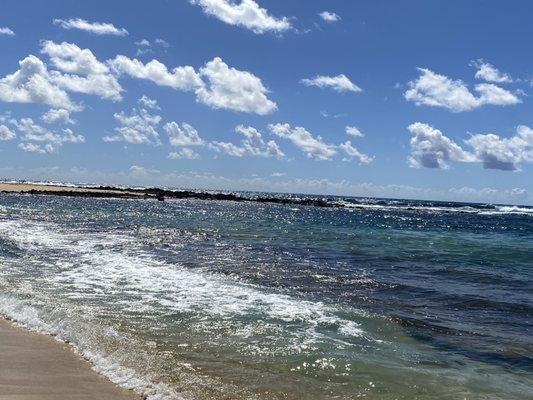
x=260, y=95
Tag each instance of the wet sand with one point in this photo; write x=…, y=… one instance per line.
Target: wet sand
x=38, y=367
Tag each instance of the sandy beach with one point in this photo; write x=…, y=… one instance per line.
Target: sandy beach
x=28, y=187
x=34, y=366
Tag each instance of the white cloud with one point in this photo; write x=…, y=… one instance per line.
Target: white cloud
x=340, y=83
x=147, y=47
x=98, y=28
x=431, y=149
x=227, y=148
x=329, y=16
x=31, y=84
x=313, y=147
x=184, y=154
x=353, y=153
x=143, y=43
x=225, y=87
x=255, y=145
x=75, y=61
x=231, y=89
x=4, y=30
x=184, y=135
x=80, y=72
x=33, y=132
x=180, y=78
x=148, y=103
x=161, y=42
x=247, y=14
x=278, y=174
x=35, y=148
x=137, y=128
x=354, y=131
x=38, y=133
x=138, y=170
x=436, y=90
x=6, y=133
x=487, y=72
x=492, y=94
x=502, y=153
x=252, y=145
x=55, y=115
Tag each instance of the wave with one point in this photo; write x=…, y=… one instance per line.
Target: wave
x=130, y=281
x=29, y=317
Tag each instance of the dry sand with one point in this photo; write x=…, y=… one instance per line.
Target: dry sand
x=38, y=367
x=26, y=187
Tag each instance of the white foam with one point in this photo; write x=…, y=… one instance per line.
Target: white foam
x=115, y=265
x=28, y=316
x=164, y=285
x=515, y=210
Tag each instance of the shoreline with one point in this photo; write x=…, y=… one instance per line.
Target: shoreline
x=149, y=193
x=39, y=366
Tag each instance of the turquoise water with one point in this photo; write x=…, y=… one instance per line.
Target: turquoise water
x=197, y=299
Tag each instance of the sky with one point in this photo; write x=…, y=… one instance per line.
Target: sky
x=404, y=99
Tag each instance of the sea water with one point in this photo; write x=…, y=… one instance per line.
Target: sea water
x=196, y=299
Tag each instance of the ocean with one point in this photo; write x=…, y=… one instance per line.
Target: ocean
x=203, y=299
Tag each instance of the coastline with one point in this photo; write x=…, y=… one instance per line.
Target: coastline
x=38, y=366
x=149, y=193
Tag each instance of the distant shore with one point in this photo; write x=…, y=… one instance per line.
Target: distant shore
x=149, y=193
x=35, y=366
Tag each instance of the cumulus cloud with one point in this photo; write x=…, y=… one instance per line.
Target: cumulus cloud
x=487, y=72
x=161, y=42
x=247, y=14
x=355, y=154
x=227, y=148
x=51, y=140
x=74, y=61
x=98, y=28
x=255, y=145
x=431, y=149
x=37, y=133
x=340, y=83
x=184, y=154
x=31, y=84
x=184, y=135
x=143, y=43
x=180, y=78
x=329, y=16
x=146, y=47
x=4, y=30
x=6, y=133
x=224, y=87
x=436, y=90
x=148, y=103
x=36, y=148
x=231, y=89
x=313, y=147
x=139, y=170
x=57, y=115
x=137, y=128
x=354, y=131
x=78, y=70
x=503, y=153
x=252, y=145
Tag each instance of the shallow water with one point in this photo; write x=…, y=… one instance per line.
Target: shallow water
x=210, y=300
